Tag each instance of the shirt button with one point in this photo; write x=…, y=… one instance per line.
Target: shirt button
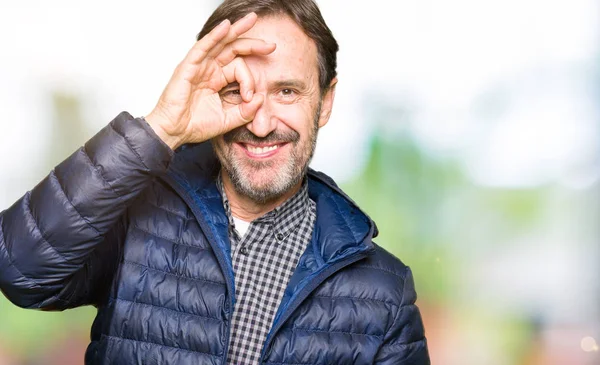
x=244, y=250
x=279, y=237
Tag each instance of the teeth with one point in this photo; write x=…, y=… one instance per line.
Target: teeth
x=261, y=150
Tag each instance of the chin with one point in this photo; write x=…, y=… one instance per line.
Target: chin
x=266, y=180
x=264, y=184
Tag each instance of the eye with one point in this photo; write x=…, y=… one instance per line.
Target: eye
x=287, y=93
x=231, y=96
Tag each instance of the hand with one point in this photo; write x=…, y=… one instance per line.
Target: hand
x=190, y=108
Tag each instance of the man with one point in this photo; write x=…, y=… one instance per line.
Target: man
x=248, y=257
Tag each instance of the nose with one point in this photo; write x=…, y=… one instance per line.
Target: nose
x=264, y=122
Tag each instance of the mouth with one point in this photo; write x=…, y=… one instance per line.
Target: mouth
x=261, y=151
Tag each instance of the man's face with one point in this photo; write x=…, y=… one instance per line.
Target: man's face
x=269, y=156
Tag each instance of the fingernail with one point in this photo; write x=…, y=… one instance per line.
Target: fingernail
x=248, y=15
x=223, y=22
x=249, y=95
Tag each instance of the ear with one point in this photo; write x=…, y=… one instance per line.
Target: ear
x=327, y=103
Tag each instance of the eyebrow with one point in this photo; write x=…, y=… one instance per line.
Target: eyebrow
x=293, y=83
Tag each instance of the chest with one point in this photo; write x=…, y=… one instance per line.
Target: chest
x=170, y=303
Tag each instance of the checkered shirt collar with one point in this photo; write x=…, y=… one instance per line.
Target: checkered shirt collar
x=284, y=218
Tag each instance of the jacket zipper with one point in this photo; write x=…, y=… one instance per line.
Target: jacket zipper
x=218, y=253
x=305, y=292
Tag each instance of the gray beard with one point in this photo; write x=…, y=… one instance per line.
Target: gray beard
x=291, y=174
x=286, y=180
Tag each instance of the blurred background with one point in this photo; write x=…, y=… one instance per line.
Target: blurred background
x=469, y=130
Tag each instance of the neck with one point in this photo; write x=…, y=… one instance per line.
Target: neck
x=247, y=209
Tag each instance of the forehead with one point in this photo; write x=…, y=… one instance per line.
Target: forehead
x=295, y=55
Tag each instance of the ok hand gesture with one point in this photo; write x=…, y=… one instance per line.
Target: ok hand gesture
x=190, y=108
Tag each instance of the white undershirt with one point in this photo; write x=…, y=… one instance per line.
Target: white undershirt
x=241, y=226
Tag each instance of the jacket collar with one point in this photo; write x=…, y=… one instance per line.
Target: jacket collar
x=341, y=227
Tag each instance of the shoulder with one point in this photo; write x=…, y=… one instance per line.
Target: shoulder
x=389, y=274
x=381, y=261
x=379, y=277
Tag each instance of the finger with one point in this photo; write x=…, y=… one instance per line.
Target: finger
x=244, y=47
x=238, y=71
x=235, y=31
x=202, y=47
x=243, y=113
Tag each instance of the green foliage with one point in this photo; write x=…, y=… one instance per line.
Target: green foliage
x=406, y=193
x=23, y=330
x=69, y=130
x=431, y=216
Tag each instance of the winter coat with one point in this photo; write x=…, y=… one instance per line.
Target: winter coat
x=140, y=232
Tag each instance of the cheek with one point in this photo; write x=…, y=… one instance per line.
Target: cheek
x=219, y=146
x=298, y=117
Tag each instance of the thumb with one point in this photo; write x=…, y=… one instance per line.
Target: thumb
x=244, y=113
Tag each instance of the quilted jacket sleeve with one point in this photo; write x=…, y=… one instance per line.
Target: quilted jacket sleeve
x=405, y=343
x=58, y=240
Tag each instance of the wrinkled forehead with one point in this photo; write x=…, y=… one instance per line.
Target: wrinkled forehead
x=295, y=55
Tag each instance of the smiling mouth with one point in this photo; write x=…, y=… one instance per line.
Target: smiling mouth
x=261, y=151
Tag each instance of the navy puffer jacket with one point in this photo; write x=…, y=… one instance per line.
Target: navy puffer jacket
x=139, y=232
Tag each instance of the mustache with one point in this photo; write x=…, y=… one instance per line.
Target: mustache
x=243, y=135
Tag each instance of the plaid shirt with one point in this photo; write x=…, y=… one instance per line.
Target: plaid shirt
x=264, y=260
